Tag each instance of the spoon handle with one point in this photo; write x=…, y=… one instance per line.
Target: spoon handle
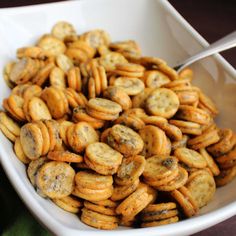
x=227, y=42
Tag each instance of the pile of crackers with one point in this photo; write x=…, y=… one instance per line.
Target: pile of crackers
x=111, y=135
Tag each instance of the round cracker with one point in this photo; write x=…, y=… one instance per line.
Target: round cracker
x=130, y=169
x=38, y=110
x=31, y=140
x=19, y=152
x=93, y=180
x=162, y=102
x=33, y=168
x=56, y=179
x=132, y=86
x=158, y=167
x=202, y=187
x=125, y=140
x=65, y=156
x=102, y=154
x=190, y=157
x=121, y=192
x=160, y=222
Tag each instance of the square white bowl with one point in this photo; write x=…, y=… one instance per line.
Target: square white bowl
x=161, y=32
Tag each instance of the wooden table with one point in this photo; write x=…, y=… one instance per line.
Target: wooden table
x=212, y=19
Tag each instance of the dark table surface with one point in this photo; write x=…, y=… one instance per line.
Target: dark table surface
x=212, y=19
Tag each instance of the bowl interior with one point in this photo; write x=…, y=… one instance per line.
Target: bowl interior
x=158, y=31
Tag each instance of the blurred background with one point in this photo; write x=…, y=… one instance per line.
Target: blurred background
x=213, y=19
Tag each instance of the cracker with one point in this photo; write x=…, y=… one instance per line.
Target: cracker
x=158, y=167
x=161, y=222
x=6, y=74
x=52, y=45
x=62, y=29
x=130, y=169
x=9, y=123
x=31, y=140
x=34, y=167
x=32, y=91
x=118, y=95
x=80, y=136
x=74, y=78
x=38, y=110
x=20, y=69
x=180, y=143
x=65, y=204
x=159, y=64
x=53, y=130
x=107, y=203
x=185, y=204
x=42, y=74
x=80, y=114
x=155, y=79
x=129, y=48
x=98, y=220
x=32, y=52
x=100, y=209
x=139, y=99
x=45, y=135
x=93, y=195
x=159, y=215
x=193, y=114
x=190, y=157
x=159, y=207
x=227, y=159
x=53, y=99
x=10, y=111
x=129, y=70
x=204, y=140
x=65, y=156
x=121, y=192
x=101, y=154
x=55, y=179
x=132, y=86
x=139, y=112
x=207, y=103
x=57, y=78
x=15, y=103
x=163, y=181
x=224, y=144
x=20, y=89
x=110, y=59
x=96, y=38
x=130, y=121
x=19, y=152
x=104, y=105
x=162, y=102
x=131, y=203
x=105, y=170
x=172, y=131
x=125, y=140
x=187, y=127
x=210, y=162
x=93, y=180
x=186, y=73
x=176, y=183
x=225, y=176
x=202, y=187
x=154, y=141
x=84, y=48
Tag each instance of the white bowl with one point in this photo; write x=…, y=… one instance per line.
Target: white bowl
x=161, y=32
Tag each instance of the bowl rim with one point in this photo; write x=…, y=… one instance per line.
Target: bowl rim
x=190, y=225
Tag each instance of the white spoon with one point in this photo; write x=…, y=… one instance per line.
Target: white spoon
x=227, y=42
